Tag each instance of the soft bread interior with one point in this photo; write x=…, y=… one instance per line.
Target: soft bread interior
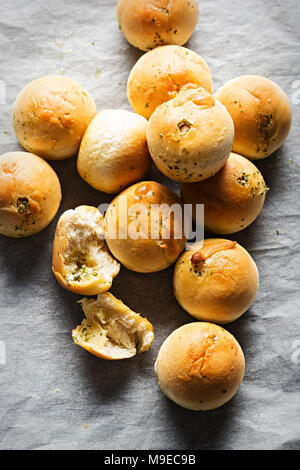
x=111, y=329
x=86, y=257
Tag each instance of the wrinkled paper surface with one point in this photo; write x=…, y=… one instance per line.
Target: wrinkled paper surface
x=56, y=395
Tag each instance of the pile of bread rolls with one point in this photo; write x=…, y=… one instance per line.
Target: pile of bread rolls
x=205, y=142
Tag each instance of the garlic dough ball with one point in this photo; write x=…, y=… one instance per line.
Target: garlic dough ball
x=233, y=198
x=143, y=236
x=50, y=116
x=147, y=24
x=30, y=194
x=261, y=113
x=160, y=74
x=81, y=262
x=111, y=330
x=114, y=153
x=200, y=366
x=190, y=137
x=216, y=282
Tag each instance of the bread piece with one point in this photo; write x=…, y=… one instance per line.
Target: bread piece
x=216, y=281
x=112, y=330
x=200, y=366
x=81, y=262
x=190, y=137
x=114, y=152
x=30, y=194
x=261, y=113
x=233, y=198
x=147, y=24
x=160, y=74
x=137, y=227
x=50, y=116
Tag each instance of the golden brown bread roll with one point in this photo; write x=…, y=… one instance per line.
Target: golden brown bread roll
x=81, y=262
x=142, y=241
x=111, y=330
x=261, y=113
x=50, y=116
x=160, y=74
x=147, y=24
x=190, y=137
x=114, y=153
x=233, y=198
x=216, y=282
x=30, y=194
x=200, y=366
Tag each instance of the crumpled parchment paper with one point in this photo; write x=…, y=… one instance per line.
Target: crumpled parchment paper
x=54, y=394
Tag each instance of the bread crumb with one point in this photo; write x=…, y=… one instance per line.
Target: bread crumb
x=97, y=73
x=58, y=43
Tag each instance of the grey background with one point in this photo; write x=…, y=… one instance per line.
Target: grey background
x=49, y=387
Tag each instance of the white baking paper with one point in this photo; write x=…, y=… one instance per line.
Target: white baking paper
x=55, y=395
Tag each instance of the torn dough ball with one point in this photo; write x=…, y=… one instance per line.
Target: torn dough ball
x=112, y=330
x=81, y=262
